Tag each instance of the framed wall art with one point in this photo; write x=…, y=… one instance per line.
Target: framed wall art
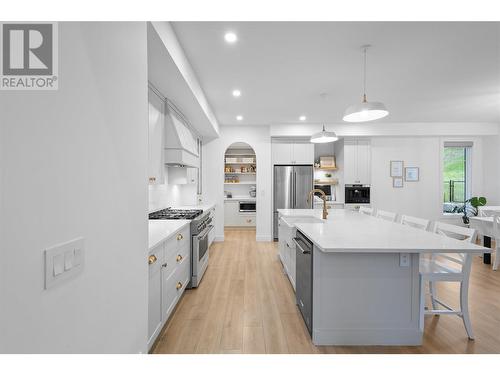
x=397, y=182
x=396, y=168
x=412, y=174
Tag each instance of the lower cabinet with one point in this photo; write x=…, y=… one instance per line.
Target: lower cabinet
x=169, y=274
x=286, y=247
x=234, y=218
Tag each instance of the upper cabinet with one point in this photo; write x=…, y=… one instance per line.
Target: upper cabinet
x=357, y=160
x=156, y=140
x=292, y=153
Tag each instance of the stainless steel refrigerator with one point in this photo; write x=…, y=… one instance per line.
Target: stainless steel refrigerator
x=292, y=184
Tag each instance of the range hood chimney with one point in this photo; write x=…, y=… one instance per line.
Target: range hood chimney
x=181, y=145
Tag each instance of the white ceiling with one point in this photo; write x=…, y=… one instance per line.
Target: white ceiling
x=422, y=71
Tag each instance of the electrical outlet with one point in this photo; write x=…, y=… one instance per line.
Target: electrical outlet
x=404, y=260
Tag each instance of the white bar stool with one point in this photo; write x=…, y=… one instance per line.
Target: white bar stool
x=386, y=215
x=448, y=268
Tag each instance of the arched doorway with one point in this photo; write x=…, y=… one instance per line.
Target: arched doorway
x=240, y=187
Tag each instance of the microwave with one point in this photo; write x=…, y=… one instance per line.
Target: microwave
x=248, y=206
x=359, y=194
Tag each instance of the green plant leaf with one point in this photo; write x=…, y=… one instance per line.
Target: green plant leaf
x=477, y=201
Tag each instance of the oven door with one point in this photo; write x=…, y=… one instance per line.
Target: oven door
x=201, y=242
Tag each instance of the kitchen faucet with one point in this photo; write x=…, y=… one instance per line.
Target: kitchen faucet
x=323, y=196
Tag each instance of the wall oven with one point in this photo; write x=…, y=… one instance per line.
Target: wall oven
x=357, y=194
x=248, y=206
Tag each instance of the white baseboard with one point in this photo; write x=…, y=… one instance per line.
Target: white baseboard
x=219, y=239
x=267, y=238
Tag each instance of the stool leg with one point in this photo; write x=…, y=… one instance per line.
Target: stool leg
x=432, y=291
x=464, y=308
x=497, y=259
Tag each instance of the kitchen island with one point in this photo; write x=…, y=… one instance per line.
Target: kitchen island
x=364, y=277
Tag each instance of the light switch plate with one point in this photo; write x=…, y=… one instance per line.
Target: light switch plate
x=404, y=260
x=63, y=262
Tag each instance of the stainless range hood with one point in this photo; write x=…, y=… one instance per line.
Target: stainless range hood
x=181, y=145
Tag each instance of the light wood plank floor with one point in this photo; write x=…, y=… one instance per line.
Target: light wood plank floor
x=245, y=304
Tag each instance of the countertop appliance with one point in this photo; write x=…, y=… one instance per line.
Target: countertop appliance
x=248, y=206
x=292, y=184
x=327, y=189
x=200, y=229
x=357, y=194
x=304, y=278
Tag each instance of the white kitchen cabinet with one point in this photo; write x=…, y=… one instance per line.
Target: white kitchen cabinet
x=302, y=153
x=292, y=153
x=357, y=162
x=156, y=167
x=234, y=218
x=169, y=275
x=155, y=258
x=286, y=247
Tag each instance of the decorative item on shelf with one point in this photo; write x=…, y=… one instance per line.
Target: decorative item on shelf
x=316, y=164
x=243, y=169
x=327, y=162
x=253, y=168
x=328, y=175
x=397, y=182
x=412, y=174
x=231, y=160
x=396, y=168
x=231, y=179
x=253, y=191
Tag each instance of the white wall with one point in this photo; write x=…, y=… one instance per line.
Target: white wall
x=491, y=168
x=422, y=198
x=213, y=174
x=170, y=195
x=74, y=163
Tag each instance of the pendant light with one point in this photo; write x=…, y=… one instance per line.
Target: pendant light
x=365, y=111
x=324, y=137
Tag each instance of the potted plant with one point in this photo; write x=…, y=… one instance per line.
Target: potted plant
x=469, y=208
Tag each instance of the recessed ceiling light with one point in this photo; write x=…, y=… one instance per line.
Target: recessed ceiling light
x=239, y=117
x=302, y=118
x=236, y=93
x=230, y=37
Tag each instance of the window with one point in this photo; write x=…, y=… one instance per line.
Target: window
x=456, y=175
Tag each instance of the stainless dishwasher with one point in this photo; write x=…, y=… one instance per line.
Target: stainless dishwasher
x=304, y=277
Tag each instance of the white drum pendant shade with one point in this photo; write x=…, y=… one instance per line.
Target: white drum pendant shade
x=365, y=111
x=324, y=137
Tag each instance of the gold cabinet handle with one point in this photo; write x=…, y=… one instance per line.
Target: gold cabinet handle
x=179, y=258
x=178, y=286
x=179, y=237
x=152, y=259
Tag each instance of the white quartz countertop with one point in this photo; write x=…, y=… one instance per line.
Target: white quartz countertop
x=350, y=231
x=160, y=230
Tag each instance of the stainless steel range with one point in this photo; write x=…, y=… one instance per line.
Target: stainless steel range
x=200, y=228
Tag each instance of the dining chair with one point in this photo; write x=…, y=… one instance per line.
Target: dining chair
x=386, y=215
x=415, y=222
x=496, y=234
x=366, y=210
x=448, y=268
